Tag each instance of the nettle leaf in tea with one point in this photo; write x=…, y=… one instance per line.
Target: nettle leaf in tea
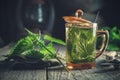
x=80, y=45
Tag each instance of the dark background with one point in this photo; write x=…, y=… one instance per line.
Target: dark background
x=13, y=16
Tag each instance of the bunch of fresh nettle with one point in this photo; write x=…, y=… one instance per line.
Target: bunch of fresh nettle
x=34, y=48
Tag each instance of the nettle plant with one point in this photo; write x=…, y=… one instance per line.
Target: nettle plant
x=34, y=48
x=114, y=38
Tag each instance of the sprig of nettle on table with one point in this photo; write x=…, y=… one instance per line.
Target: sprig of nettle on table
x=33, y=48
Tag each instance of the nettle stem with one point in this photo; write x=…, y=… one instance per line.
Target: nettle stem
x=54, y=56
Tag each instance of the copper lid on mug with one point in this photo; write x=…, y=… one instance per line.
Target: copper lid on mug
x=77, y=18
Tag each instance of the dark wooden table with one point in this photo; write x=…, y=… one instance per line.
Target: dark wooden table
x=58, y=73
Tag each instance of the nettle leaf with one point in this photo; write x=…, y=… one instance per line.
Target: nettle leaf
x=33, y=36
x=112, y=47
x=22, y=45
x=46, y=53
x=32, y=55
x=49, y=38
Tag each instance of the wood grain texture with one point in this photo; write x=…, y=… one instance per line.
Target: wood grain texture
x=58, y=73
x=22, y=75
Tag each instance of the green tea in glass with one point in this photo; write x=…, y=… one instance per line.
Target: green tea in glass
x=81, y=36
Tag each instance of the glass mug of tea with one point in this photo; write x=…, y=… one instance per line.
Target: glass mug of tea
x=81, y=38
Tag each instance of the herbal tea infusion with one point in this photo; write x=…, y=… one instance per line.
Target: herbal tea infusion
x=80, y=45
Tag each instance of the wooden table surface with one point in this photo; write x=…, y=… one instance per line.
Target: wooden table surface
x=98, y=73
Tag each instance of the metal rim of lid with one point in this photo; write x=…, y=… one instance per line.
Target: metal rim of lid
x=77, y=19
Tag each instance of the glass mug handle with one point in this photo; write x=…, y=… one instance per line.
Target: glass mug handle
x=105, y=35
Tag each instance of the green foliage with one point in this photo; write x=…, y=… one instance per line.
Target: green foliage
x=49, y=38
x=47, y=54
x=114, y=38
x=32, y=55
x=33, y=48
x=22, y=45
x=80, y=44
x=114, y=32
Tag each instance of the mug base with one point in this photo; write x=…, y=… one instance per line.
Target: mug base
x=80, y=66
